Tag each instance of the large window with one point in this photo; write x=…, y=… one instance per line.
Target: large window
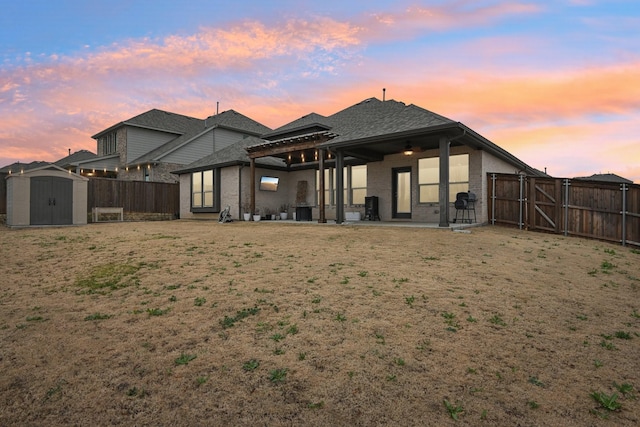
x=355, y=185
x=202, y=190
x=429, y=177
x=109, y=143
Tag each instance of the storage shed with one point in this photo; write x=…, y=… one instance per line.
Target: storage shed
x=48, y=195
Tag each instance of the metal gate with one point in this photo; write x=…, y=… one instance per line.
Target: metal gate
x=51, y=201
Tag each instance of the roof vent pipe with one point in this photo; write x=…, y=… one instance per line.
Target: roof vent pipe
x=384, y=90
x=217, y=107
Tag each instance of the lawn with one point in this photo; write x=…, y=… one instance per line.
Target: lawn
x=273, y=323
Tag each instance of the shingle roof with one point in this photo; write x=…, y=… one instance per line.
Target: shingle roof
x=17, y=167
x=606, y=177
x=159, y=120
x=373, y=117
x=75, y=157
x=305, y=122
x=231, y=119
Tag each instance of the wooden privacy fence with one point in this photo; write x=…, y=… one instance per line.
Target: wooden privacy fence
x=593, y=209
x=135, y=196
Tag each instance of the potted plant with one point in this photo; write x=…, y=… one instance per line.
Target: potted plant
x=256, y=215
x=246, y=211
x=284, y=211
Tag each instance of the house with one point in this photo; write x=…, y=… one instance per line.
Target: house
x=606, y=177
x=405, y=162
x=148, y=147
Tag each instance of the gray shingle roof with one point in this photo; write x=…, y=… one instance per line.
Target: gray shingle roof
x=75, y=157
x=17, y=167
x=373, y=117
x=159, y=120
x=606, y=177
x=309, y=121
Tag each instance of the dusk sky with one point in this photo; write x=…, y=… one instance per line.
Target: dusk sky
x=555, y=83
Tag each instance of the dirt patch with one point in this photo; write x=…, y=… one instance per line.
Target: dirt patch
x=273, y=323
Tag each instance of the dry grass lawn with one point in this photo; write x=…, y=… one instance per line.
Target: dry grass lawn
x=272, y=323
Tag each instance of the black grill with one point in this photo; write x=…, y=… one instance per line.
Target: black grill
x=465, y=203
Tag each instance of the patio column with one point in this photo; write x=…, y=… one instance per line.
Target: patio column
x=339, y=187
x=443, y=190
x=253, y=186
x=321, y=200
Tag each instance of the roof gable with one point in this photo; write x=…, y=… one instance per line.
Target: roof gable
x=75, y=157
x=310, y=123
x=373, y=117
x=158, y=120
x=231, y=120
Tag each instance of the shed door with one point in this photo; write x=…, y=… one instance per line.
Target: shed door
x=51, y=201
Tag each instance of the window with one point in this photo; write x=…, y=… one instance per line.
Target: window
x=202, y=195
x=355, y=185
x=109, y=143
x=358, y=187
x=429, y=177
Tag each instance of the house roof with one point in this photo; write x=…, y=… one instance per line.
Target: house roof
x=310, y=121
x=372, y=129
x=235, y=154
x=75, y=157
x=157, y=120
x=23, y=167
x=606, y=177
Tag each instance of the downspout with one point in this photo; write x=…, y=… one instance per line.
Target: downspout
x=240, y=192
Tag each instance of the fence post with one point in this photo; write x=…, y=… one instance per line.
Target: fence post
x=493, y=199
x=521, y=200
x=566, y=184
x=624, y=188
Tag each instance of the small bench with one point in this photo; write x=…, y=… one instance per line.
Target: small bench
x=95, y=213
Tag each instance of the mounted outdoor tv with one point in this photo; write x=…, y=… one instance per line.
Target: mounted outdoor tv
x=269, y=183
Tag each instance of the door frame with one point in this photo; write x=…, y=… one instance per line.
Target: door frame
x=394, y=192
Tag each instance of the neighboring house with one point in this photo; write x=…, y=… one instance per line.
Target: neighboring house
x=19, y=167
x=606, y=177
x=69, y=162
x=411, y=160
x=148, y=147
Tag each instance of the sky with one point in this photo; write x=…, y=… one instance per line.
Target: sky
x=555, y=83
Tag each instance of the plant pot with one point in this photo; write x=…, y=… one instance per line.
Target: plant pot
x=256, y=218
x=283, y=215
x=247, y=216
x=273, y=217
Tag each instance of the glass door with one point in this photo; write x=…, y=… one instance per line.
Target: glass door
x=401, y=193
